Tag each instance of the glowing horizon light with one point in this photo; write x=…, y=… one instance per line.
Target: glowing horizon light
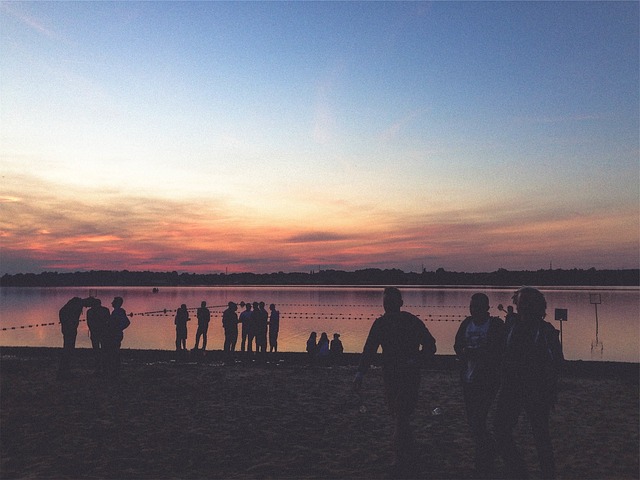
x=282, y=136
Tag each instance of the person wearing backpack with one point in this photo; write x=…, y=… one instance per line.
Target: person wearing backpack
x=114, y=334
x=531, y=366
x=478, y=345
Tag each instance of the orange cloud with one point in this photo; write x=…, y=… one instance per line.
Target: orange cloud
x=77, y=231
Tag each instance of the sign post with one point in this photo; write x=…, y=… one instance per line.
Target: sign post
x=562, y=315
x=595, y=300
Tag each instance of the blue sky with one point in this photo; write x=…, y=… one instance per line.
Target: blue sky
x=204, y=136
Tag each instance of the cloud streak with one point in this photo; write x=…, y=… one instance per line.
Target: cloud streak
x=33, y=23
x=50, y=232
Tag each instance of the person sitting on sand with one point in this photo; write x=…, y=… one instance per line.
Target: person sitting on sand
x=322, y=348
x=479, y=345
x=336, y=347
x=406, y=345
x=312, y=346
x=182, y=317
x=531, y=366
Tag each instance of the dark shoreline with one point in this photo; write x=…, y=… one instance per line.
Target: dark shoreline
x=368, y=277
x=627, y=372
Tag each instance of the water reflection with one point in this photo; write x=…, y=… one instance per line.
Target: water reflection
x=348, y=311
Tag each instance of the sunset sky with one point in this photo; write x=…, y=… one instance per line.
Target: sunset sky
x=265, y=137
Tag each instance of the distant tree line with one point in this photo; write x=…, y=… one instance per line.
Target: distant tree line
x=369, y=276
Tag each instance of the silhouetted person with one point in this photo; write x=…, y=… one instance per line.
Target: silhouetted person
x=97, y=321
x=69, y=316
x=230, y=325
x=204, y=316
x=118, y=323
x=406, y=345
x=336, y=347
x=531, y=365
x=254, y=322
x=312, y=346
x=182, y=317
x=245, y=320
x=479, y=345
x=322, y=349
x=261, y=328
x=274, y=328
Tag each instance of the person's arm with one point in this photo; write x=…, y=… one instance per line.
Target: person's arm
x=460, y=341
x=124, y=320
x=368, y=352
x=497, y=337
x=428, y=344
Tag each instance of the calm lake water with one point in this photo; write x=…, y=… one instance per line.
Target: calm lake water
x=345, y=310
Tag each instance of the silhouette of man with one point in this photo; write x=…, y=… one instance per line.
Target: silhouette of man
x=181, y=319
x=245, y=320
x=274, y=328
x=118, y=323
x=261, y=328
x=406, y=344
x=204, y=316
x=531, y=365
x=479, y=344
x=97, y=321
x=254, y=322
x=230, y=325
x=69, y=316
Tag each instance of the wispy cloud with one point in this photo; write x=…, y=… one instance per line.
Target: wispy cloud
x=35, y=24
x=560, y=119
x=393, y=130
x=324, y=122
x=81, y=229
x=314, y=237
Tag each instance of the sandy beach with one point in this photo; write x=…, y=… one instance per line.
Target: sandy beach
x=213, y=417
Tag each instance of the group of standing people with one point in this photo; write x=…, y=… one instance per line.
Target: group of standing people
x=258, y=325
x=519, y=363
x=106, y=330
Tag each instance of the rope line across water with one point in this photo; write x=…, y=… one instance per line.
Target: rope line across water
x=289, y=315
